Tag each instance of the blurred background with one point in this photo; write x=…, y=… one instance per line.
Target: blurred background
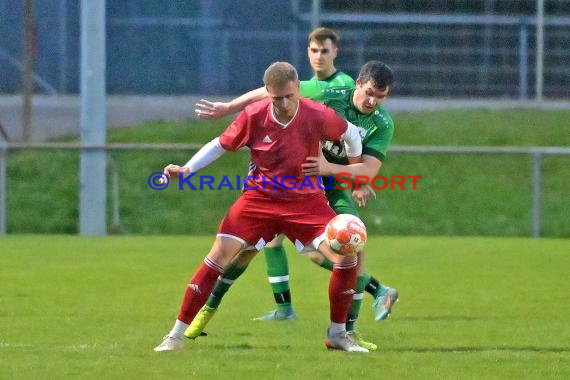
x=483, y=48
x=490, y=78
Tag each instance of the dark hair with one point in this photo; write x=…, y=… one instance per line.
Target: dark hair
x=279, y=73
x=378, y=72
x=322, y=34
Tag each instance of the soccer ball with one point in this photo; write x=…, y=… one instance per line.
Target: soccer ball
x=346, y=234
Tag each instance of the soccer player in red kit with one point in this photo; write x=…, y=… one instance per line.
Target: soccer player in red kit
x=281, y=132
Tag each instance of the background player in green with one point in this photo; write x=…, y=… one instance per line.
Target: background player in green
x=322, y=50
x=361, y=106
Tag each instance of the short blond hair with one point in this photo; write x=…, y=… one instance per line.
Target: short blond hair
x=279, y=74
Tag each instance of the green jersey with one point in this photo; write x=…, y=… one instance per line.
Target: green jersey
x=376, y=129
x=338, y=79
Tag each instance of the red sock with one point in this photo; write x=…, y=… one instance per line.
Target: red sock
x=341, y=290
x=199, y=290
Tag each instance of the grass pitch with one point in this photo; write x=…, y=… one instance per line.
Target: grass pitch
x=93, y=308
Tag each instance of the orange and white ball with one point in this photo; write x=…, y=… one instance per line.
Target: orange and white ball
x=346, y=234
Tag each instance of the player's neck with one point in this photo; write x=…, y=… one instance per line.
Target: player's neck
x=284, y=118
x=322, y=75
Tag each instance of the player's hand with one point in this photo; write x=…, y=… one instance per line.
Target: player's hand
x=172, y=171
x=363, y=194
x=316, y=166
x=212, y=110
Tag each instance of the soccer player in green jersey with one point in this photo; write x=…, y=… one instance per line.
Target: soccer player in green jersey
x=361, y=106
x=322, y=51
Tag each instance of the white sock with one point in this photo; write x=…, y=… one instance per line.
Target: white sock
x=178, y=329
x=337, y=328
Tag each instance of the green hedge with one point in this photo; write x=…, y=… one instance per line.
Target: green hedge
x=458, y=194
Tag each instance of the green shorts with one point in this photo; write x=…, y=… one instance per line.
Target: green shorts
x=341, y=201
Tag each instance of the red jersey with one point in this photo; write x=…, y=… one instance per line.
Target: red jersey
x=278, y=150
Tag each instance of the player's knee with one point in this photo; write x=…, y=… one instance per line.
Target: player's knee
x=224, y=250
x=327, y=252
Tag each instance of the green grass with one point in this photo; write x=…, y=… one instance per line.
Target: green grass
x=471, y=308
x=518, y=127
x=457, y=195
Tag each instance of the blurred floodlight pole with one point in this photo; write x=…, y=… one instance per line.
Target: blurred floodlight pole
x=62, y=45
x=92, y=207
x=295, y=33
x=315, y=14
x=27, y=71
x=212, y=78
x=539, y=49
x=3, y=185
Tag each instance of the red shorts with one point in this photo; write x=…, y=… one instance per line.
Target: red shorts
x=255, y=219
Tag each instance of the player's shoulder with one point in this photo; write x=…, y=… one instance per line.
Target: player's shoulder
x=259, y=107
x=312, y=105
x=339, y=92
x=344, y=80
x=316, y=110
x=382, y=118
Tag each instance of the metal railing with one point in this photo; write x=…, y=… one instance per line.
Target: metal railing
x=536, y=154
